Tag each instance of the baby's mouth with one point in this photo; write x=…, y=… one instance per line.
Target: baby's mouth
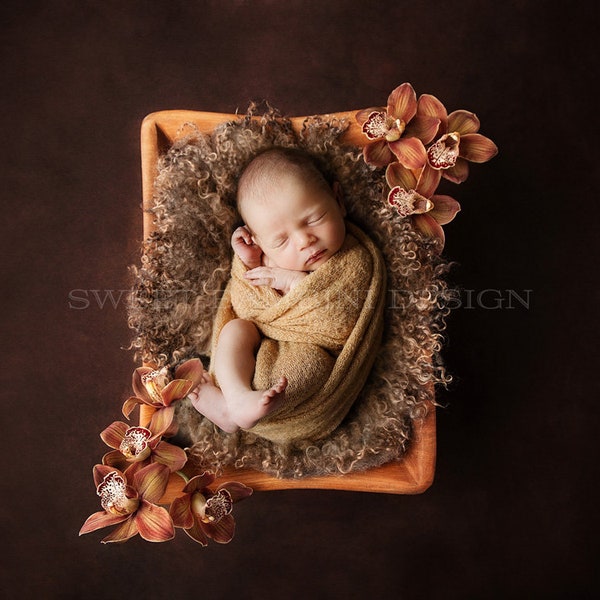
x=315, y=257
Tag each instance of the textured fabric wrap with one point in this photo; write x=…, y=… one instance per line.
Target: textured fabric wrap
x=323, y=336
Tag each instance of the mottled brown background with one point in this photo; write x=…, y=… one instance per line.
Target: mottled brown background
x=512, y=512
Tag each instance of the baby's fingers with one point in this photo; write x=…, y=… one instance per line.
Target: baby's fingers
x=241, y=233
x=258, y=272
x=260, y=276
x=260, y=281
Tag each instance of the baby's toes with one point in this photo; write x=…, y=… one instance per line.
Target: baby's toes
x=280, y=385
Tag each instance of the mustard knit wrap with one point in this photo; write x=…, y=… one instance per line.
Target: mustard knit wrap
x=323, y=336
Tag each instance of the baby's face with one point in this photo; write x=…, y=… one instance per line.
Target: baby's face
x=297, y=226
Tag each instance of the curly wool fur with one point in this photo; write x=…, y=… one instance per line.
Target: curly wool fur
x=185, y=266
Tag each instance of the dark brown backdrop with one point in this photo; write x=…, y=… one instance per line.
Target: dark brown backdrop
x=511, y=511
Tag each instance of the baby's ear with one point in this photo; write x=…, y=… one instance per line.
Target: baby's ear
x=338, y=194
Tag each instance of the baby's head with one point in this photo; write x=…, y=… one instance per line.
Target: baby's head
x=291, y=211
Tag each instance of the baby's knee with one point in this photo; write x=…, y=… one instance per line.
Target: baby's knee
x=241, y=328
x=238, y=325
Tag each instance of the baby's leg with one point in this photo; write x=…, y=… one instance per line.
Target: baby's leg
x=234, y=362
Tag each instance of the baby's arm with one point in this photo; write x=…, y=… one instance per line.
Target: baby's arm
x=243, y=245
x=279, y=279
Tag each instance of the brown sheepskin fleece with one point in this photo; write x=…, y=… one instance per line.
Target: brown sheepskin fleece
x=185, y=266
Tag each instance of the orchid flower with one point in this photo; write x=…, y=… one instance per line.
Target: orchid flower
x=204, y=513
x=399, y=131
x=155, y=388
x=413, y=196
x=136, y=447
x=130, y=503
x=458, y=142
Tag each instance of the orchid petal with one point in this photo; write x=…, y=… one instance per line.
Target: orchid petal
x=402, y=103
x=154, y=523
x=176, y=390
x=196, y=532
x=397, y=175
x=170, y=455
x=410, y=152
x=378, y=154
x=429, y=179
x=162, y=419
x=199, y=482
x=238, y=491
x=463, y=121
x=423, y=128
x=130, y=404
x=171, y=430
x=477, y=148
x=430, y=106
x=222, y=531
x=191, y=369
x=115, y=459
x=113, y=435
x=151, y=481
x=123, y=533
x=445, y=208
x=133, y=468
x=174, y=489
x=139, y=389
x=101, y=519
x=429, y=226
x=181, y=512
x=458, y=173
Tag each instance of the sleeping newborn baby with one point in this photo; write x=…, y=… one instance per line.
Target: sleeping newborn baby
x=281, y=324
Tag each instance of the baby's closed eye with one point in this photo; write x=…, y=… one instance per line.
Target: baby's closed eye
x=317, y=219
x=278, y=242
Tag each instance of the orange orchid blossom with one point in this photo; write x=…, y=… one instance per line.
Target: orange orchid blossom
x=458, y=142
x=155, y=388
x=136, y=447
x=399, y=131
x=204, y=513
x=130, y=503
x=413, y=195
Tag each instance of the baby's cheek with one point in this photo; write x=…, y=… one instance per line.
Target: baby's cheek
x=267, y=262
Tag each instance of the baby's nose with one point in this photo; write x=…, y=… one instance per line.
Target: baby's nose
x=304, y=239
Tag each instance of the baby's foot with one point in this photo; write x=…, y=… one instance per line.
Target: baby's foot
x=247, y=408
x=274, y=393
x=209, y=401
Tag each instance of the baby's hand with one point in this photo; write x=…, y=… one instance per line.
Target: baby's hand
x=243, y=245
x=282, y=280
